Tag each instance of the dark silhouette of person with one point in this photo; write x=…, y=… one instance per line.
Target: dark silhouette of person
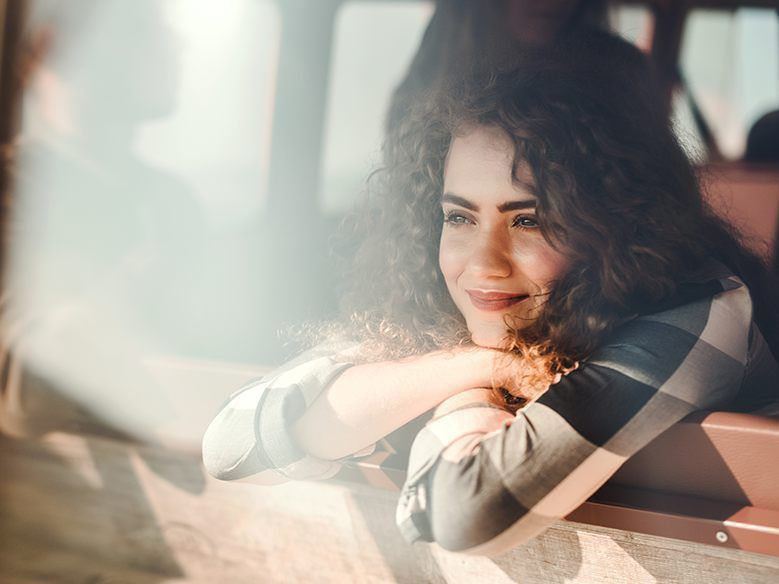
x=763, y=140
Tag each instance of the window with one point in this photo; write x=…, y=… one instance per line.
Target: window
x=218, y=137
x=143, y=164
x=373, y=47
x=633, y=23
x=730, y=60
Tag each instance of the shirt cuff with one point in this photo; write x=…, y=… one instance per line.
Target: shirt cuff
x=286, y=399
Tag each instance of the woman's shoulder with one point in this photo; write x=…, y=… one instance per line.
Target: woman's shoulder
x=710, y=311
x=695, y=347
x=710, y=293
x=708, y=325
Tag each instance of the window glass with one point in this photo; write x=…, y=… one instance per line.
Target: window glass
x=730, y=60
x=140, y=176
x=633, y=23
x=374, y=43
x=218, y=137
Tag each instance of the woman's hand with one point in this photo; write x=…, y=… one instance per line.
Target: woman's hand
x=520, y=377
x=524, y=378
x=506, y=379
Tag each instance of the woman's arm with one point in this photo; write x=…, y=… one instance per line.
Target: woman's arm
x=540, y=466
x=299, y=421
x=369, y=401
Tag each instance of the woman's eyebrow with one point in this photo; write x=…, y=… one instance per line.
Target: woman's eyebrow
x=515, y=205
x=458, y=200
x=503, y=207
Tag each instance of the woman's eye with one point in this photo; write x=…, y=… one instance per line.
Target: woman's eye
x=455, y=218
x=526, y=222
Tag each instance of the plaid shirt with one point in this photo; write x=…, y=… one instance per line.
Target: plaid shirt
x=482, y=480
x=250, y=434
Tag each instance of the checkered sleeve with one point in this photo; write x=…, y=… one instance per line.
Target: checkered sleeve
x=250, y=440
x=481, y=483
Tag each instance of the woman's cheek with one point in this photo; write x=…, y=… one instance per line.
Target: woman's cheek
x=541, y=263
x=452, y=259
x=555, y=264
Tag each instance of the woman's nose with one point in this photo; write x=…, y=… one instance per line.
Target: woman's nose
x=490, y=256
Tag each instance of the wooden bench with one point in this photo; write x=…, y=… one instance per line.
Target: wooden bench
x=94, y=506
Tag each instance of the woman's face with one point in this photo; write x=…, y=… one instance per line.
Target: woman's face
x=493, y=256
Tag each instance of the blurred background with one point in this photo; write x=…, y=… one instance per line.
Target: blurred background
x=173, y=173
x=176, y=168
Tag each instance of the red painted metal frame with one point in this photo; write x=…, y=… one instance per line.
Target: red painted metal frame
x=703, y=521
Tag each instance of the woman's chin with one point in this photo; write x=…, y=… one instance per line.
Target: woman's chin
x=488, y=340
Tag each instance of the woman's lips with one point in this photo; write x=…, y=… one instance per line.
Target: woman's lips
x=492, y=301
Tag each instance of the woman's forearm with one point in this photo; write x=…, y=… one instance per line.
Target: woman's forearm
x=369, y=401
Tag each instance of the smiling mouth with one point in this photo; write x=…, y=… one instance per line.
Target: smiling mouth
x=494, y=302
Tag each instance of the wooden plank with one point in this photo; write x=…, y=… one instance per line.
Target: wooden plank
x=92, y=509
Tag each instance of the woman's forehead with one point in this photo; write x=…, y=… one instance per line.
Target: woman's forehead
x=480, y=163
x=480, y=136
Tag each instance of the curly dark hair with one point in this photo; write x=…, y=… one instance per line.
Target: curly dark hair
x=615, y=192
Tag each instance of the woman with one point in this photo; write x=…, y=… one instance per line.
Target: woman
x=539, y=240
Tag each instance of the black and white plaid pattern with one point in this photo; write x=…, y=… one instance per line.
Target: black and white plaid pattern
x=482, y=480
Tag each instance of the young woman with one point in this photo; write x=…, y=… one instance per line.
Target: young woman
x=537, y=240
